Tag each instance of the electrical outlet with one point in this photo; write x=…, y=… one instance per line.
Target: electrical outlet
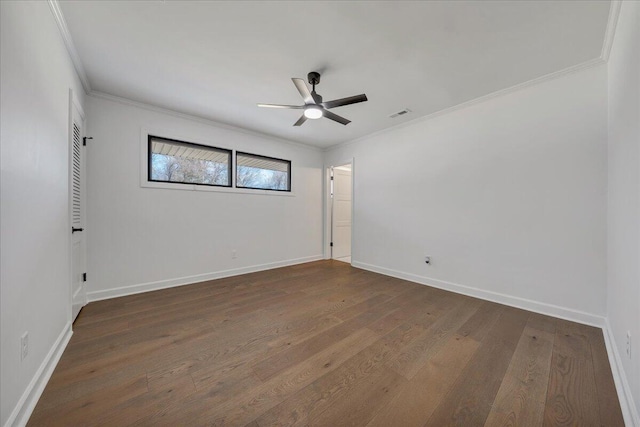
x=629, y=344
x=24, y=345
x=427, y=259
x=234, y=254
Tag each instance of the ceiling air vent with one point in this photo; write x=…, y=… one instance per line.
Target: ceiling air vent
x=400, y=113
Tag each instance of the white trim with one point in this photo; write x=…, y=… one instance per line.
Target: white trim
x=22, y=411
x=523, y=303
x=199, y=119
x=610, y=32
x=187, y=280
x=552, y=76
x=68, y=42
x=627, y=404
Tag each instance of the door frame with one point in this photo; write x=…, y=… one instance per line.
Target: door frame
x=74, y=103
x=328, y=204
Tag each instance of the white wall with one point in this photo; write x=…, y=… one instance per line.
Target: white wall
x=508, y=196
x=36, y=75
x=142, y=238
x=623, y=309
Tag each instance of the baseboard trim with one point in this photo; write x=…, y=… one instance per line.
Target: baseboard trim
x=187, y=280
x=31, y=395
x=523, y=303
x=627, y=404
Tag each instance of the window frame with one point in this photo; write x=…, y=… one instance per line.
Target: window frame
x=199, y=139
x=235, y=178
x=229, y=152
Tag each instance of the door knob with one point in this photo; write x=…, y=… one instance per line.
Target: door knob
x=73, y=229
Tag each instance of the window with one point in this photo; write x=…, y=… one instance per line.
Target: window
x=262, y=173
x=187, y=163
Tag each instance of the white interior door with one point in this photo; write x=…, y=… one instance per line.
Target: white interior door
x=78, y=196
x=341, y=216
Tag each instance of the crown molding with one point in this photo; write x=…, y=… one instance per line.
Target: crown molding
x=614, y=11
x=199, y=119
x=534, y=82
x=609, y=35
x=610, y=32
x=68, y=42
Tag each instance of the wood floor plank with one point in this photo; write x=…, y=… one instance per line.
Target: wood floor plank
x=304, y=406
x=572, y=397
x=362, y=307
x=469, y=401
x=324, y=343
x=411, y=359
x=415, y=402
x=58, y=393
x=190, y=410
x=242, y=345
x=363, y=401
x=160, y=394
x=522, y=395
x=145, y=348
x=268, y=367
x=271, y=366
x=89, y=408
x=479, y=325
x=243, y=408
x=423, y=307
x=96, y=331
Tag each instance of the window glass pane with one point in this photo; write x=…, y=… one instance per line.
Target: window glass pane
x=183, y=162
x=264, y=173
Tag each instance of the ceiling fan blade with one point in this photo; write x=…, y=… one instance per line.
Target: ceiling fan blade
x=336, y=118
x=293, y=107
x=316, y=98
x=304, y=90
x=301, y=120
x=345, y=101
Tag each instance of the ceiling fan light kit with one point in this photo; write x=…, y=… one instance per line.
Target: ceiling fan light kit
x=314, y=107
x=312, y=112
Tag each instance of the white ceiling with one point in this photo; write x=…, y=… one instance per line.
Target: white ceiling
x=218, y=59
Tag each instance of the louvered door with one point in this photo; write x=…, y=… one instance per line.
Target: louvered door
x=77, y=210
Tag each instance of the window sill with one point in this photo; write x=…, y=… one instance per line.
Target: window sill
x=189, y=187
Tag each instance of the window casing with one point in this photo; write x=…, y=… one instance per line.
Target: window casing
x=180, y=162
x=258, y=172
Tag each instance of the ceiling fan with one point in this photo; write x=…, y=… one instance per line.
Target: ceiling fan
x=314, y=107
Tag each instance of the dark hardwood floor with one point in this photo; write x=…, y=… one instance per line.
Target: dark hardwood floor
x=325, y=344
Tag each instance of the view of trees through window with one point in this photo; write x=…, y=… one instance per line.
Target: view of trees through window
x=262, y=172
x=193, y=171
x=173, y=161
x=188, y=163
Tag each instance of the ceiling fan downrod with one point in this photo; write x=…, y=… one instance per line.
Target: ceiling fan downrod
x=314, y=79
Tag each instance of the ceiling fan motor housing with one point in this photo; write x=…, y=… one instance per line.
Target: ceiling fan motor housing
x=314, y=78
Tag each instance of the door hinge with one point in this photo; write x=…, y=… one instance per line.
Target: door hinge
x=331, y=178
x=84, y=139
x=84, y=277
x=331, y=244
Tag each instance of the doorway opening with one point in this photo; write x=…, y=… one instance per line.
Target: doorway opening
x=341, y=216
